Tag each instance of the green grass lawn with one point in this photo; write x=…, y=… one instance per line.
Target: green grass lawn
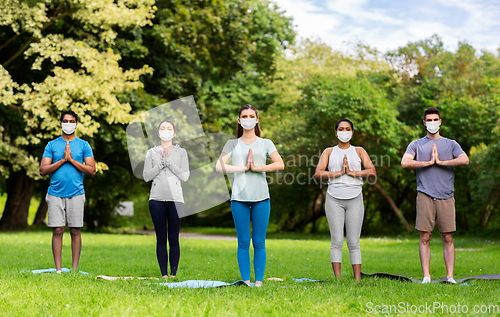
x=73, y=294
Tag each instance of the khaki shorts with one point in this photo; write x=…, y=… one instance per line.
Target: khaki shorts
x=61, y=210
x=430, y=210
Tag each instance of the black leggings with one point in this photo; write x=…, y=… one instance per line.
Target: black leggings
x=164, y=213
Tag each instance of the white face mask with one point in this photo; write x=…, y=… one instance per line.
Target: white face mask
x=248, y=124
x=68, y=128
x=432, y=126
x=166, y=135
x=344, y=136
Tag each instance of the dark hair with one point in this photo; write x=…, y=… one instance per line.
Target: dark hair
x=344, y=120
x=175, y=129
x=432, y=110
x=71, y=113
x=239, y=128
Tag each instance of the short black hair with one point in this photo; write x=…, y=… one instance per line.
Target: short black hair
x=71, y=113
x=432, y=110
x=344, y=120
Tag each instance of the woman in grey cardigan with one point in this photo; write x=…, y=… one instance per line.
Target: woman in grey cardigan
x=166, y=165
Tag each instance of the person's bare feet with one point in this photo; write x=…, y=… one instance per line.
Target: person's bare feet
x=258, y=283
x=165, y=276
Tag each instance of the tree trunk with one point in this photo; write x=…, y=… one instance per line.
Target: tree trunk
x=19, y=192
x=41, y=212
x=317, y=209
x=487, y=212
x=395, y=208
x=290, y=221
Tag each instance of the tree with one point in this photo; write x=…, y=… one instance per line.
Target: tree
x=326, y=100
x=208, y=49
x=305, y=94
x=58, y=55
x=464, y=85
x=90, y=55
x=205, y=49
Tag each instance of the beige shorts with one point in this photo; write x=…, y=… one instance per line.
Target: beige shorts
x=62, y=210
x=430, y=211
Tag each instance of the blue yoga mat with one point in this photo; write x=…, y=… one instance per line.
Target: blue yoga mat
x=201, y=284
x=210, y=284
x=305, y=280
x=51, y=270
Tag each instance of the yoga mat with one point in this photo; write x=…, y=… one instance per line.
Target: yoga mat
x=305, y=280
x=390, y=276
x=51, y=270
x=210, y=284
x=112, y=278
x=441, y=280
x=477, y=277
x=201, y=284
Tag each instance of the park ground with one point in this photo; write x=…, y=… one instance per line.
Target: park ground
x=289, y=256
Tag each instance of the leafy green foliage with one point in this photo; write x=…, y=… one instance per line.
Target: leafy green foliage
x=89, y=56
x=57, y=55
x=196, y=43
x=109, y=60
x=465, y=86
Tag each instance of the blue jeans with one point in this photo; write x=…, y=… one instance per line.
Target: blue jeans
x=258, y=212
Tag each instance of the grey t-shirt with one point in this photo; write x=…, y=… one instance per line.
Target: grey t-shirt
x=435, y=181
x=249, y=185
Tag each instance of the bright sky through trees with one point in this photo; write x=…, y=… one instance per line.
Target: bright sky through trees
x=389, y=24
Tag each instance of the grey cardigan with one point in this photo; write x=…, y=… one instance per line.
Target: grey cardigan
x=166, y=173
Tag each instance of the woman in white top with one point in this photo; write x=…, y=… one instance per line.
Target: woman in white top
x=250, y=192
x=344, y=199
x=166, y=165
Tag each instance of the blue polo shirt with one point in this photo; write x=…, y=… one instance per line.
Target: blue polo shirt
x=67, y=181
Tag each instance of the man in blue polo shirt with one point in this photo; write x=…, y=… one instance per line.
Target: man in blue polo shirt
x=434, y=157
x=66, y=159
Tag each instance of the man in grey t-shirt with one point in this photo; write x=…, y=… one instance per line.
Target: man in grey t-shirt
x=434, y=157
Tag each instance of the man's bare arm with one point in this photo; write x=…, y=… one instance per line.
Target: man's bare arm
x=87, y=168
x=47, y=167
x=460, y=160
x=408, y=162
